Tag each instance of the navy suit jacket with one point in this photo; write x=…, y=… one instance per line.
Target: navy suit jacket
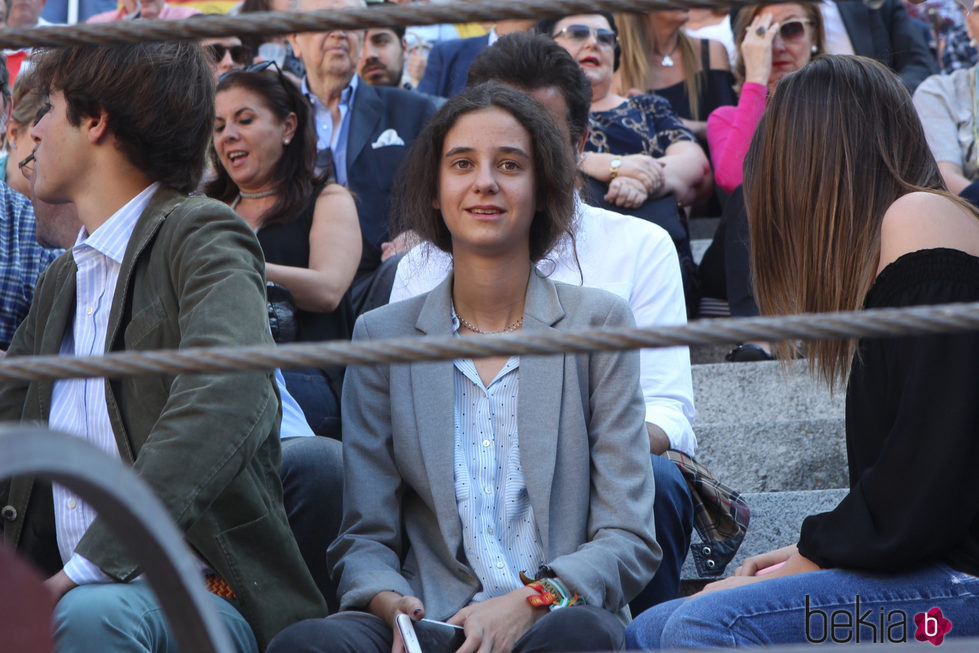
x=890, y=36
x=448, y=65
x=371, y=167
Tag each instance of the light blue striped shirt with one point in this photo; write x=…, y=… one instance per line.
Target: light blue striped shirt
x=78, y=406
x=499, y=531
x=326, y=136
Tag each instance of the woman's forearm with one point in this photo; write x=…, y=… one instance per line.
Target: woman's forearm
x=686, y=172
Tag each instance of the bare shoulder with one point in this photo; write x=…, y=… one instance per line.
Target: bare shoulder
x=718, y=56
x=919, y=221
x=333, y=199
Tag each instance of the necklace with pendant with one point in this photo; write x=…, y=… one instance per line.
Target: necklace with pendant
x=668, y=58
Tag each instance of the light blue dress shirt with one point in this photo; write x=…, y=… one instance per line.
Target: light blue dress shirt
x=78, y=405
x=326, y=136
x=499, y=531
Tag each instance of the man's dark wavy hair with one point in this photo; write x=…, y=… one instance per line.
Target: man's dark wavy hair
x=158, y=99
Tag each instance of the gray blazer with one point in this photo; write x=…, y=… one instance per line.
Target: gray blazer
x=583, y=446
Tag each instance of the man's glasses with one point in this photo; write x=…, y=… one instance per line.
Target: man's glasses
x=27, y=167
x=793, y=30
x=239, y=53
x=582, y=32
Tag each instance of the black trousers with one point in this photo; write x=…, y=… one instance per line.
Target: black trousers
x=577, y=628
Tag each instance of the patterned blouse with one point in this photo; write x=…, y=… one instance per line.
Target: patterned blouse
x=644, y=124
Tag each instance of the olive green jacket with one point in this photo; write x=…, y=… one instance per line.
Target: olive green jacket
x=208, y=444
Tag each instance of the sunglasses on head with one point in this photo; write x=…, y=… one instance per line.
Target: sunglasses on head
x=239, y=53
x=257, y=68
x=582, y=32
x=793, y=30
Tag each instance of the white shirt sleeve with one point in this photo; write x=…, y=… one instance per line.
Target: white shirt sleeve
x=664, y=373
x=83, y=571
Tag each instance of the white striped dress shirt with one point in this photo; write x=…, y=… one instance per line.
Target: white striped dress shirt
x=78, y=406
x=499, y=531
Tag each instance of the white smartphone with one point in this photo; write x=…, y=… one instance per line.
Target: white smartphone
x=407, y=631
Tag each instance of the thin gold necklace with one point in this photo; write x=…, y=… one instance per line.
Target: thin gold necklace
x=472, y=327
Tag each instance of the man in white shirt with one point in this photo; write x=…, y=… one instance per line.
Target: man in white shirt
x=624, y=255
x=150, y=269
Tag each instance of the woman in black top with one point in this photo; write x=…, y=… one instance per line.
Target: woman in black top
x=265, y=147
x=847, y=209
x=659, y=57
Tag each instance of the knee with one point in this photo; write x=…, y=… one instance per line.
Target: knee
x=698, y=623
x=100, y=613
x=313, y=462
x=583, y=628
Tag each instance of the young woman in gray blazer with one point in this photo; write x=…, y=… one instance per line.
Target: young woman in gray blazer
x=512, y=497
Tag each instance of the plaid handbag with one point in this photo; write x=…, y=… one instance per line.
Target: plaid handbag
x=720, y=516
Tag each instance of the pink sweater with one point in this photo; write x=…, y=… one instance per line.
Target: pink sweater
x=729, y=132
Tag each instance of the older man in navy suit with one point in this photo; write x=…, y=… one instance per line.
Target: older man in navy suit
x=363, y=130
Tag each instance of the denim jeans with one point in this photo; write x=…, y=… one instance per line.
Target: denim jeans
x=312, y=492
x=673, y=517
x=126, y=618
x=819, y=606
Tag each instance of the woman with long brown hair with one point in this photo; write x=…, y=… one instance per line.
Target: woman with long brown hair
x=659, y=57
x=847, y=209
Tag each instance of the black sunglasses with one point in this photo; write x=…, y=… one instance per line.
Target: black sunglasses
x=793, y=29
x=239, y=53
x=257, y=68
x=582, y=32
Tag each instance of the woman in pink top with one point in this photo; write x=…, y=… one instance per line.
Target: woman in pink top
x=775, y=41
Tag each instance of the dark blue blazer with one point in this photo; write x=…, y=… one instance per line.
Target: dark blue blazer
x=890, y=36
x=448, y=65
x=371, y=171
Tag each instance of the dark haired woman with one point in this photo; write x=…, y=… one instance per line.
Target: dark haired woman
x=264, y=142
x=905, y=541
x=465, y=474
x=638, y=150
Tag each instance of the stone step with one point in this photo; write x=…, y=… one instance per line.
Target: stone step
x=776, y=518
x=775, y=456
x=709, y=354
x=760, y=392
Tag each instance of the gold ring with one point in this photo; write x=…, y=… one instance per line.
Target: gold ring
x=760, y=30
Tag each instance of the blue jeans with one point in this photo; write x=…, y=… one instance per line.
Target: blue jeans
x=312, y=492
x=673, y=518
x=819, y=606
x=126, y=618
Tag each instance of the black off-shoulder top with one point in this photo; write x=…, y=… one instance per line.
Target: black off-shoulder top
x=912, y=433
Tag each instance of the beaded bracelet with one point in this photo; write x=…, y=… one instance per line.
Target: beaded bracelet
x=551, y=593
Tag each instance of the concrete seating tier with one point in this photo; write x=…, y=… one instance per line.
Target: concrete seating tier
x=775, y=435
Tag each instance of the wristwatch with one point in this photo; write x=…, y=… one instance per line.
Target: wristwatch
x=613, y=168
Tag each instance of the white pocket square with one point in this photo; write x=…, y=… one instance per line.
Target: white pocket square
x=387, y=137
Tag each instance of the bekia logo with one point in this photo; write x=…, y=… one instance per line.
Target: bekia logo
x=932, y=626
x=862, y=624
